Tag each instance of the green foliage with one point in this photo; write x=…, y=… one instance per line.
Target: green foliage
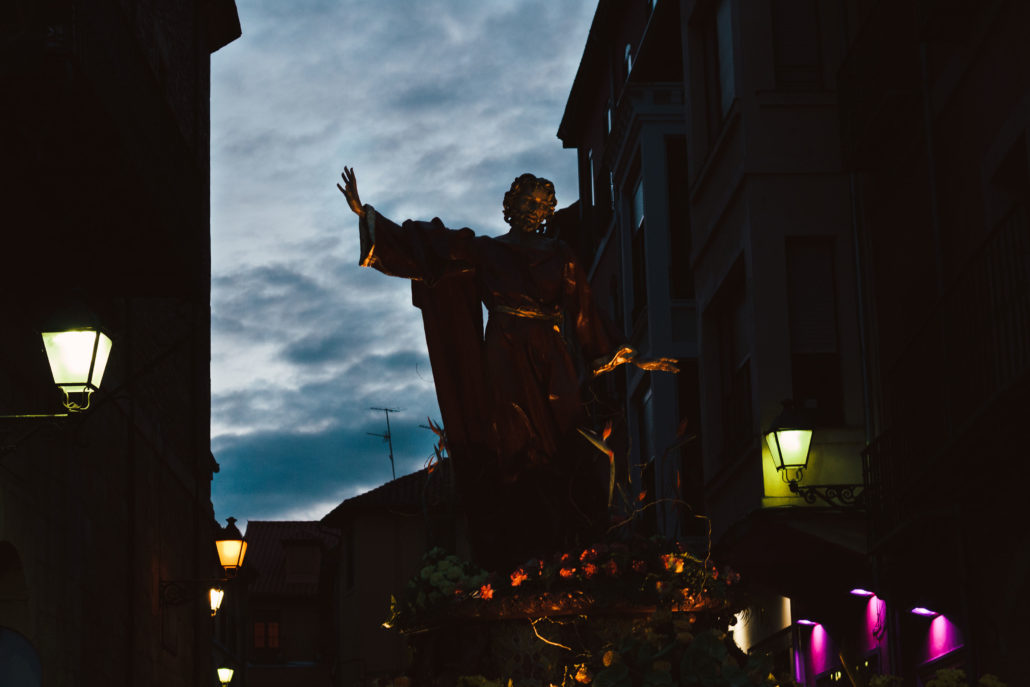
x=954, y=677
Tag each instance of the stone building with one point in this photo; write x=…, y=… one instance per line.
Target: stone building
x=105, y=182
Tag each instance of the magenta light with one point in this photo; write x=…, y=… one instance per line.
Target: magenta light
x=819, y=647
x=857, y=591
x=806, y=622
x=942, y=638
x=925, y=612
x=875, y=618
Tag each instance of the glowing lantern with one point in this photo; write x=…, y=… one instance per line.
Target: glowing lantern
x=215, y=596
x=789, y=438
x=77, y=360
x=231, y=548
x=225, y=676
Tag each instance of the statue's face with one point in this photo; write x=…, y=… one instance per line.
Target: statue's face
x=531, y=208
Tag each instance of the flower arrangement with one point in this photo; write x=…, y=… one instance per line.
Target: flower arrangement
x=645, y=573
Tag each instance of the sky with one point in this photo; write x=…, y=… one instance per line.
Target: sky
x=437, y=105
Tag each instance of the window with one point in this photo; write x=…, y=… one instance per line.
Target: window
x=639, y=252
x=734, y=351
x=266, y=634
x=717, y=47
x=814, y=356
x=796, y=53
x=681, y=279
x=593, y=173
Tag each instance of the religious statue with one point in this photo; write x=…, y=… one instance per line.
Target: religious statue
x=526, y=460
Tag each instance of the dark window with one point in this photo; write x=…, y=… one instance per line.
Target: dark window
x=796, y=53
x=812, y=300
x=266, y=634
x=681, y=279
x=637, y=227
x=717, y=47
x=734, y=352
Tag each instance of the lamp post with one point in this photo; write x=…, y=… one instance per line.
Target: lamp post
x=225, y=676
x=789, y=438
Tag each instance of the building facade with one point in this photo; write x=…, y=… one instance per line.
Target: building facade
x=822, y=202
x=105, y=194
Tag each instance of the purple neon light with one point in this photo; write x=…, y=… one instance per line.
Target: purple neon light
x=806, y=622
x=925, y=612
x=858, y=591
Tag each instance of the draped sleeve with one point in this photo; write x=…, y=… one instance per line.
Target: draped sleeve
x=420, y=251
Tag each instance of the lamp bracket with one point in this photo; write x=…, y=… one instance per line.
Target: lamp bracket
x=835, y=495
x=177, y=592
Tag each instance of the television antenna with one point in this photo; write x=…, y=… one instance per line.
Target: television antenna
x=388, y=437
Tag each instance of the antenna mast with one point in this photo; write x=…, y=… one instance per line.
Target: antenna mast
x=388, y=437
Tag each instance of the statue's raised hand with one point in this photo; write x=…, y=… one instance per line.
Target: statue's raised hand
x=350, y=191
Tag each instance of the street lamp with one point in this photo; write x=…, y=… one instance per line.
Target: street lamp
x=215, y=595
x=789, y=438
x=77, y=359
x=232, y=547
x=225, y=676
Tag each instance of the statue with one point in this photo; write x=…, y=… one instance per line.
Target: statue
x=526, y=461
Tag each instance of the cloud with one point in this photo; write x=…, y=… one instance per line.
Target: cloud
x=438, y=105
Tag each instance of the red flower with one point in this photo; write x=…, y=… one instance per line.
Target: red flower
x=589, y=570
x=611, y=567
x=639, y=567
x=566, y=557
x=486, y=592
x=588, y=555
x=567, y=572
x=518, y=577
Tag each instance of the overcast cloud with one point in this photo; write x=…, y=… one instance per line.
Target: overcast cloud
x=438, y=105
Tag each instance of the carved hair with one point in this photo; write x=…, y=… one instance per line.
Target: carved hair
x=524, y=183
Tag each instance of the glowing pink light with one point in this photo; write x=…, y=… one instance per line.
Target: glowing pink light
x=858, y=591
x=942, y=638
x=819, y=646
x=806, y=622
x=925, y=612
x=875, y=617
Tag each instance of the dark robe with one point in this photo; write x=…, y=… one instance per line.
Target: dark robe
x=510, y=400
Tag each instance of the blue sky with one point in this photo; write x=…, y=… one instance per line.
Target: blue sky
x=438, y=105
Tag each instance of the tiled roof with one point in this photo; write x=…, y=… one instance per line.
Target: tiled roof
x=412, y=493
x=266, y=554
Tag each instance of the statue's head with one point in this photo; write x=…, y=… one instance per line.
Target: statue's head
x=529, y=203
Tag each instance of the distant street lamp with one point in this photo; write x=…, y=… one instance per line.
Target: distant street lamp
x=232, y=547
x=215, y=595
x=225, y=676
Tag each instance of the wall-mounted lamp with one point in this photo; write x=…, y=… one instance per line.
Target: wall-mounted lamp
x=77, y=359
x=924, y=612
x=231, y=547
x=225, y=676
x=789, y=439
x=215, y=596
